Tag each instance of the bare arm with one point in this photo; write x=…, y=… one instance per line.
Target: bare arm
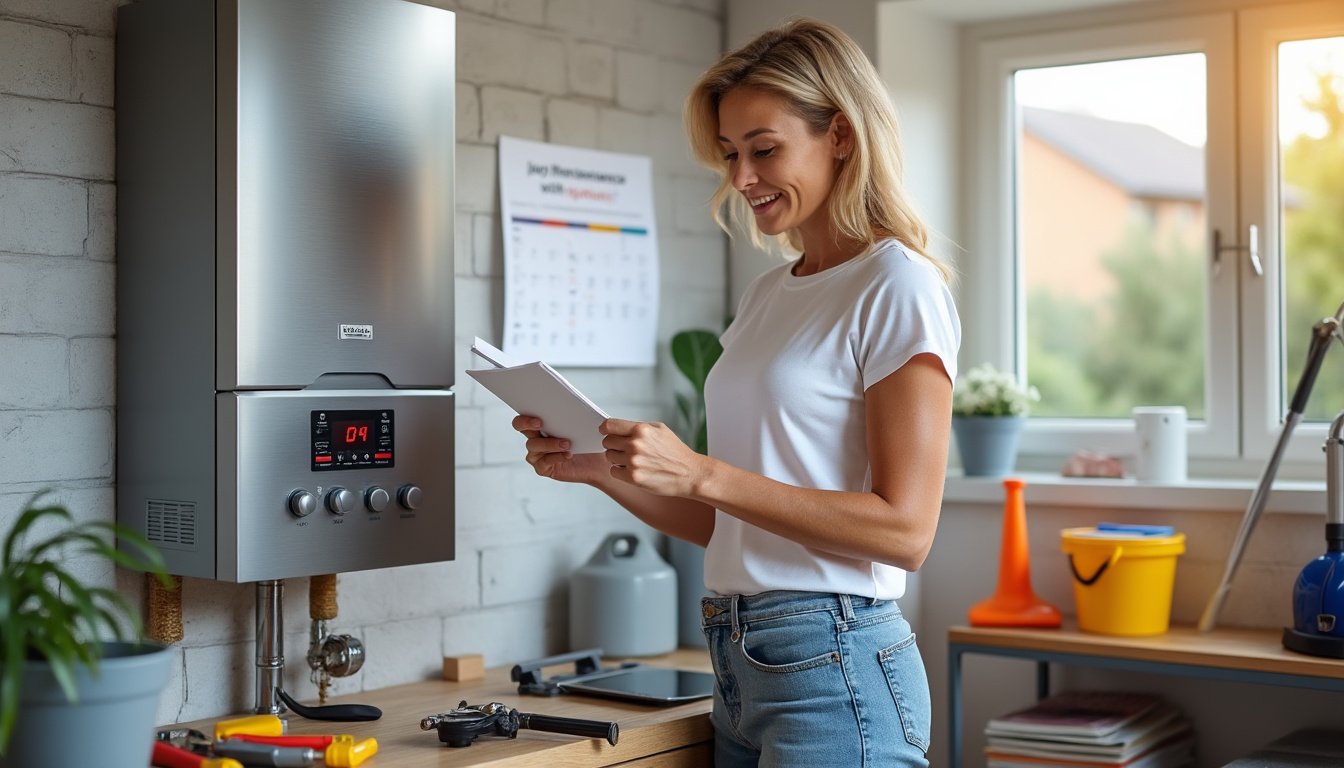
x=908, y=424
x=683, y=518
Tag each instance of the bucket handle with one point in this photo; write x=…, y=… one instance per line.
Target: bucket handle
x=1087, y=582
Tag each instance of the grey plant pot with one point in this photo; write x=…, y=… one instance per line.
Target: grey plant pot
x=987, y=444
x=112, y=724
x=689, y=561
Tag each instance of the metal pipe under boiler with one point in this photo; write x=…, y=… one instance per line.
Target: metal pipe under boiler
x=270, y=646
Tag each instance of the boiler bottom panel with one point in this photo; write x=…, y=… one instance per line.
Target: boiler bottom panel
x=327, y=481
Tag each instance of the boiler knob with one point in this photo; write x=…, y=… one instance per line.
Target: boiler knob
x=302, y=503
x=340, y=501
x=409, y=496
x=376, y=499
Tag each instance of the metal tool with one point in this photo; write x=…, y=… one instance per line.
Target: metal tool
x=461, y=726
x=1322, y=333
x=528, y=674
x=337, y=751
x=167, y=755
x=227, y=753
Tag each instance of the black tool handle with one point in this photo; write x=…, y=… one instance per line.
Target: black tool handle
x=344, y=713
x=593, y=729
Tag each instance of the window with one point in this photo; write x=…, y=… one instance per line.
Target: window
x=1137, y=158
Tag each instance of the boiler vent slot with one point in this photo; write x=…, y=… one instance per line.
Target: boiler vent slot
x=171, y=523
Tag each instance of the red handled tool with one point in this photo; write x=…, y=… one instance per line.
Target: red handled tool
x=166, y=755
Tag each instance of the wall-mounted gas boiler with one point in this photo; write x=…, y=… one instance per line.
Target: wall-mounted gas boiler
x=285, y=284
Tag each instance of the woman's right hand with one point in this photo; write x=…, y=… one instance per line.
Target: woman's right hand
x=550, y=456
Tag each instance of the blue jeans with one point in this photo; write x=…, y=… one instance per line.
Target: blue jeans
x=811, y=679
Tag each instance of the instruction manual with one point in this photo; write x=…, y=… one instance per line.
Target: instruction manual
x=536, y=389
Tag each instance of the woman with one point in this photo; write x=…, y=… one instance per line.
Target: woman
x=829, y=416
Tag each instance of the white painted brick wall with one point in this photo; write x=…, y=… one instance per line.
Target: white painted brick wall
x=27, y=384
x=42, y=215
x=637, y=81
x=56, y=445
x=511, y=112
x=468, y=112
x=34, y=60
x=576, y=72
x=572, y=123
x=63, y=139
x=591, y=70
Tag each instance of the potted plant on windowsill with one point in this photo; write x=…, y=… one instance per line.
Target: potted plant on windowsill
x=694, y=352
x=989, y=408
x=75, y=684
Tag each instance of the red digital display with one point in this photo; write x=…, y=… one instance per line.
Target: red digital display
x=352, y=435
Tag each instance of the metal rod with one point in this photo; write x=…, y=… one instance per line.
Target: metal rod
x=1248, y=521
x=270, y=646
x=1334, y=472
x=1321, y=334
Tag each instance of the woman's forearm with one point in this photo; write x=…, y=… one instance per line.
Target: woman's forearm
x=683, y=518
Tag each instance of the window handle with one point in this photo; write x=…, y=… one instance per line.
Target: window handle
x=1252, y=249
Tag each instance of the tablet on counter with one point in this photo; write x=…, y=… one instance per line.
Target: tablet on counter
x=650, y=685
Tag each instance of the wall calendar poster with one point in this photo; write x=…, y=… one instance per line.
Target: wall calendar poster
x=580, y=255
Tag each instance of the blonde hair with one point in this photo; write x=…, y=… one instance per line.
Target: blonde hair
x=818, y=71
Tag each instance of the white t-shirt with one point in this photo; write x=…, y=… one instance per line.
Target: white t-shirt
x=786, y=400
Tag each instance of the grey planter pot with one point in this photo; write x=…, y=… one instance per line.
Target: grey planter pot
x=112, y=724
x=987, y=444
x=689, y=561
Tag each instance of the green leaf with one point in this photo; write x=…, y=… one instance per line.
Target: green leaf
x=25, y=521
x=16, y=637
x=45, y=611
x=684, y=408
x=702, y=439
x=695, y=351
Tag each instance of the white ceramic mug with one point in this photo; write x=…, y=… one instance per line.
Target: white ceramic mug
x=1160, y=457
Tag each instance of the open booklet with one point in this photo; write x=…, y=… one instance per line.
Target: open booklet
x=536, y=389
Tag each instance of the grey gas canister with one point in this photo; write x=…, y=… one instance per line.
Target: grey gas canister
x=624, y=600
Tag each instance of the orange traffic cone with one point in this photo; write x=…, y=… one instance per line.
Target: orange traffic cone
x=1014, y=604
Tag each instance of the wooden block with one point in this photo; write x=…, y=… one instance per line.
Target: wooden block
x=469, y=666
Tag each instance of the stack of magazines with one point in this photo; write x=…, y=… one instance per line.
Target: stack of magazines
x=1092, y=729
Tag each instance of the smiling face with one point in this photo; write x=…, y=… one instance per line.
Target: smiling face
x=784, y=170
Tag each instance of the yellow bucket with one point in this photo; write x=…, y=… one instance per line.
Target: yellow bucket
x=1122, y=583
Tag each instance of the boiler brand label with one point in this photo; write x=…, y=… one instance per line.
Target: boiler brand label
x=364, y=332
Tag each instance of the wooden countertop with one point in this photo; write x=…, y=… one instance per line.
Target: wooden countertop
x=645, y=730
x=1254, y=650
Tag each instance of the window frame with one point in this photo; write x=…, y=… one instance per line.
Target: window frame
x=1242, y=389
x=1259, y=32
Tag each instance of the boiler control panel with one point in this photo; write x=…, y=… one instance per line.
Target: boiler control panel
x=332, y=480
x=345, y=439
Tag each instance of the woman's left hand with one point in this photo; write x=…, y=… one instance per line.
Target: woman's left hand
x=649, y=456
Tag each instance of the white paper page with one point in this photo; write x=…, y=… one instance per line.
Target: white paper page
x=496, y=357
x=535, y=389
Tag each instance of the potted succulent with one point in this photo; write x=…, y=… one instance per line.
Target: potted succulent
x=77, y=682
x=694, y=352
x=989, y=408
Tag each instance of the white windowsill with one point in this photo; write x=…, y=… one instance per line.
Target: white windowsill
x=1287, y=496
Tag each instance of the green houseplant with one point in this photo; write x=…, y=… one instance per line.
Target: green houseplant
x=694, y=352
x=989, y=408
x=59, y=671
